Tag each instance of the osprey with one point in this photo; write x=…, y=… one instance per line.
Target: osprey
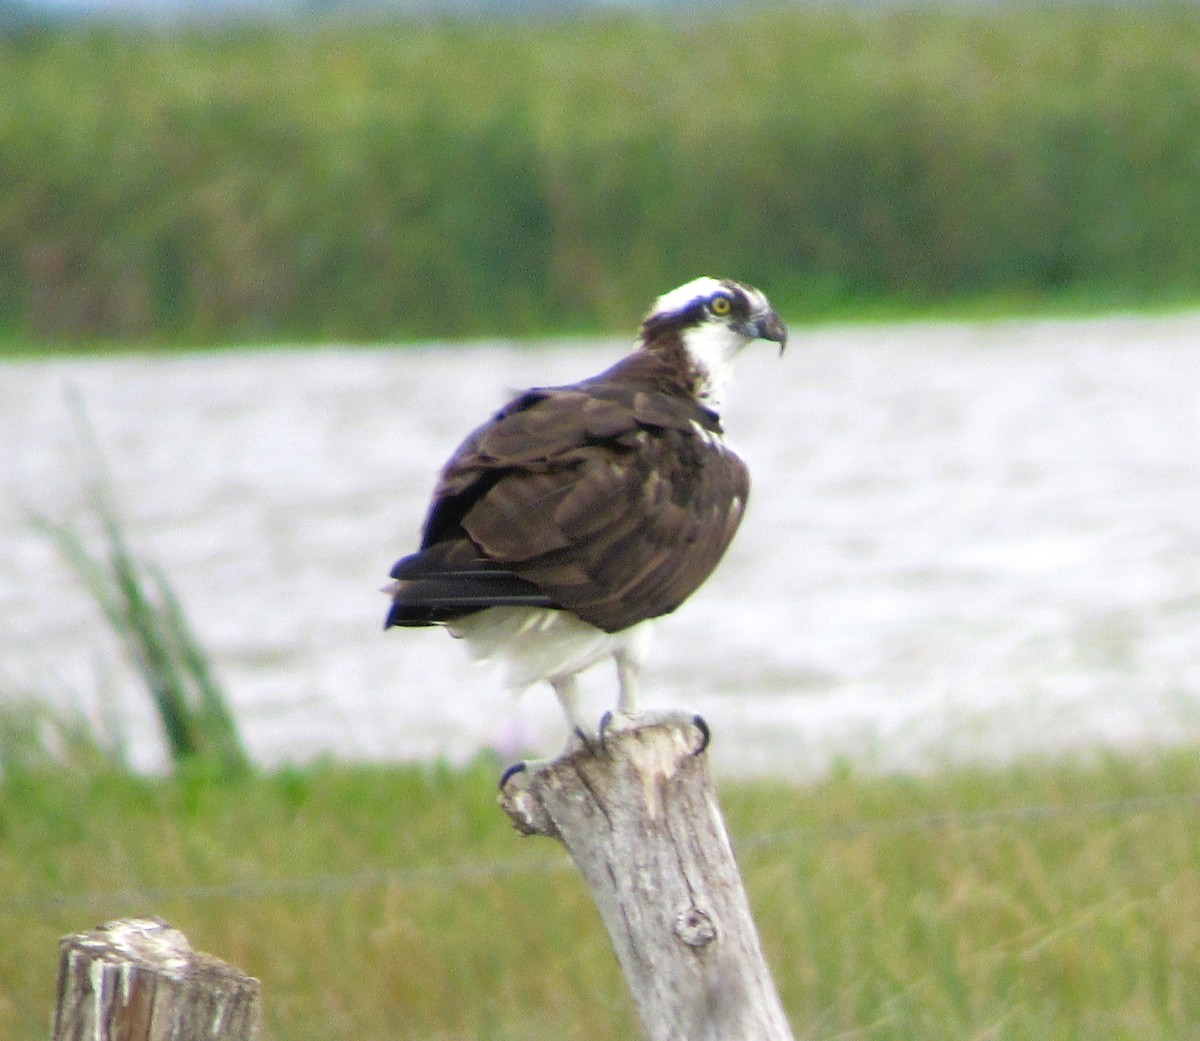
x=561, y=527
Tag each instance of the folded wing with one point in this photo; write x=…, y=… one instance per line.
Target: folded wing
x=610, y=499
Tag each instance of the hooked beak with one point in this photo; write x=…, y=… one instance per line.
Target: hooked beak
x=767, y=325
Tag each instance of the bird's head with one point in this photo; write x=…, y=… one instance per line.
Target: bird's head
x=712, y=320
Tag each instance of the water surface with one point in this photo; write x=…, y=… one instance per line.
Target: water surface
x=964, y=540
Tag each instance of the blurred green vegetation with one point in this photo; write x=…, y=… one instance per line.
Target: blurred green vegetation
x=394, y=180
x=1032, y=902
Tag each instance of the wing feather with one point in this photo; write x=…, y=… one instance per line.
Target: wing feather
x=611, y=500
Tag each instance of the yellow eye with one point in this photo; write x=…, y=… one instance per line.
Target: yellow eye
x=720, y=305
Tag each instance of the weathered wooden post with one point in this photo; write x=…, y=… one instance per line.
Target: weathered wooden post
x=140, y=980
x=641, y=821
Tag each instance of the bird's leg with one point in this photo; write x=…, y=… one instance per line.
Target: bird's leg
x=567, y=689
x=628, y=716
x=628, y=688
x=628, y=675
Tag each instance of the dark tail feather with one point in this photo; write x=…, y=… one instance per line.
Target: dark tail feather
x=429, y=590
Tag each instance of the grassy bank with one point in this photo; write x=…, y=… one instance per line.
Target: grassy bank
x=1045, y=900
x=401, y=180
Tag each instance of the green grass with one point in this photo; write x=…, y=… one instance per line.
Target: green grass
x=396, y=902
x=445, y=179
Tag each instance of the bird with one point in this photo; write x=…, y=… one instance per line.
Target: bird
x=561, y=528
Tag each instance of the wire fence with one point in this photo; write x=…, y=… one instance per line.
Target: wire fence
x=482, y=871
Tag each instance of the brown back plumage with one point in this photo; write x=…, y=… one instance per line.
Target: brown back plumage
x=613, y=498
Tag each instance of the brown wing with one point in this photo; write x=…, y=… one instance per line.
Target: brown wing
x=612, y=501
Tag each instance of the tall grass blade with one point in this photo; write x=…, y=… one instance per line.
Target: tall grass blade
x=149, y=620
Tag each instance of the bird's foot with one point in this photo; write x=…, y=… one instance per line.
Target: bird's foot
x=594, y=743
x=613, y=723
x=512, y=771
x=578, y=741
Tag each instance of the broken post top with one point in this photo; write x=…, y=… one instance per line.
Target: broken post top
x=140, y=980
x=148, y=943
x=649, y=754
x=151, y=945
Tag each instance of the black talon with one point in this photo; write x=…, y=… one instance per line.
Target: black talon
x=705, y=733
x=592, y=747
x=605, y=723
x=508, y=774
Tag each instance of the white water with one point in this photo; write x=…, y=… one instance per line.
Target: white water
x=963, y=541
